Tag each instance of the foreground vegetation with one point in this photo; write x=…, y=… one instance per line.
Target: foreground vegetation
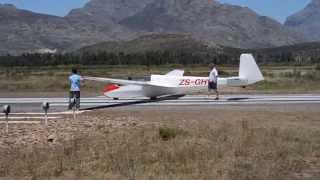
x=248, y=146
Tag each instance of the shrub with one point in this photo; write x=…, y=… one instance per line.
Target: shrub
x=317, y=67
x=167, y=133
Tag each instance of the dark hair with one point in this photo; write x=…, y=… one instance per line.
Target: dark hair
x=74, y=71
x=212, y=65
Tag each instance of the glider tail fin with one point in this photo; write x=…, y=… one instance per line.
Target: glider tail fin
x=249, y=69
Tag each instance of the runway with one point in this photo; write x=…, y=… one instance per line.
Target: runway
x=33, y=105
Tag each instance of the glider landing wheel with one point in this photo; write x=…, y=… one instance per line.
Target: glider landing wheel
x=153, y=98
x=115, y=98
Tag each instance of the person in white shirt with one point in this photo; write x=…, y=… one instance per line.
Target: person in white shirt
x=213, y=81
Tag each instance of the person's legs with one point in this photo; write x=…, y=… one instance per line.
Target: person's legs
x=217, y=94
x=213, y=88
x=209, y=89
x=77, y=99
x=216, y=91
x=71, y=96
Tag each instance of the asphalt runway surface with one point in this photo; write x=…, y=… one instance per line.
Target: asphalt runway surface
x=59, y=105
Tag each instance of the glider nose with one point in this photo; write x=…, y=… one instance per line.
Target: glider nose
x=110, y=87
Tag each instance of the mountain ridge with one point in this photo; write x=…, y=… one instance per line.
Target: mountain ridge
x=306, y=21
x=114, y=20
x=225, y=24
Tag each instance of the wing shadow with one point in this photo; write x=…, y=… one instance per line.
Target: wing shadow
x=237, y=99
x=172, y=97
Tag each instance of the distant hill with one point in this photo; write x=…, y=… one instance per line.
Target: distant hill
x=307, y=21
x=211, y=21
x=304, y=53
x=24, y=31
x=153, y=42
x=155, y=49
x=299, y=53
x=123, y=20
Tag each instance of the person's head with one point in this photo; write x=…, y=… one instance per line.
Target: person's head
x=212, y=65
x=74, y=71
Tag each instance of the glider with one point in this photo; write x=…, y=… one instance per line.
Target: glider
x=175, y=83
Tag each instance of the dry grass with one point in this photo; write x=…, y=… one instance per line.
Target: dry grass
x=54, y=79
x=220, y=145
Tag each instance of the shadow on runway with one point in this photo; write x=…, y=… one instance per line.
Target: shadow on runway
x=173, y=97
x=237, y=99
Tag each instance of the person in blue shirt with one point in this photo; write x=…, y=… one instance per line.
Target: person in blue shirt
x=75, y=81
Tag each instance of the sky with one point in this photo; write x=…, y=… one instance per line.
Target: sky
x=277, y=9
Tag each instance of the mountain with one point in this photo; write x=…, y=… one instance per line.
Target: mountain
x=307, y=21
x=101, y=18
x=152, y=42
x=24, y=30
x=211, y=21
x=122, y=20
x=108, y=11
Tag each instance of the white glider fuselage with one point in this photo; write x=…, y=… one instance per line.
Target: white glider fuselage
x=174, y=83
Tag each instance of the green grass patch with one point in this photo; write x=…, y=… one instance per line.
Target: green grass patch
x=167, y=133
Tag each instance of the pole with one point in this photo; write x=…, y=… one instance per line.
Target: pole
x=46, y=118
x=7, y=123
x=6, y=111
x=45, y=107
x=74, y=113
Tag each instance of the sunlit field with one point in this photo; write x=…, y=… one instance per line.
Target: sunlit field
x=260, y=143
x=279, y=79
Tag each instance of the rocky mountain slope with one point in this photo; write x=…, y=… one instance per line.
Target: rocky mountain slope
x=211, y=21
x=156, y=42
x=307, y=21
x=116, y=20
x=24, y=30
x=106, y=11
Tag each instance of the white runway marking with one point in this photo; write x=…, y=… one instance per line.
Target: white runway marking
x=58, y=104
x=50, y=113
x=187, y=99
x=21, y=122
x=25, y=117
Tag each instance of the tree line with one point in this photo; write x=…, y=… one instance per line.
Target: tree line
x=149, y=58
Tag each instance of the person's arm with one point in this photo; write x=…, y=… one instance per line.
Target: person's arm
x=216, y=76
x=211, y=76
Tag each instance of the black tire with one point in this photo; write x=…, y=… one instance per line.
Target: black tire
x=153, y=98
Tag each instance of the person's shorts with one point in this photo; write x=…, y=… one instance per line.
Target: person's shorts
x=212, y=86
x=76, y=95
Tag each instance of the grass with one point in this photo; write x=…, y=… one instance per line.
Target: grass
x=54, y=79
x=201, y=149
x=291, y=80
x=167, y=133
x=224, y=152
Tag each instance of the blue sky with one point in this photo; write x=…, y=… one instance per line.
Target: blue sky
x=277, y=9
x=54, y=7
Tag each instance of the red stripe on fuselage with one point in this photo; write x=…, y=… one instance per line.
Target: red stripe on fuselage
x=110, y=88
